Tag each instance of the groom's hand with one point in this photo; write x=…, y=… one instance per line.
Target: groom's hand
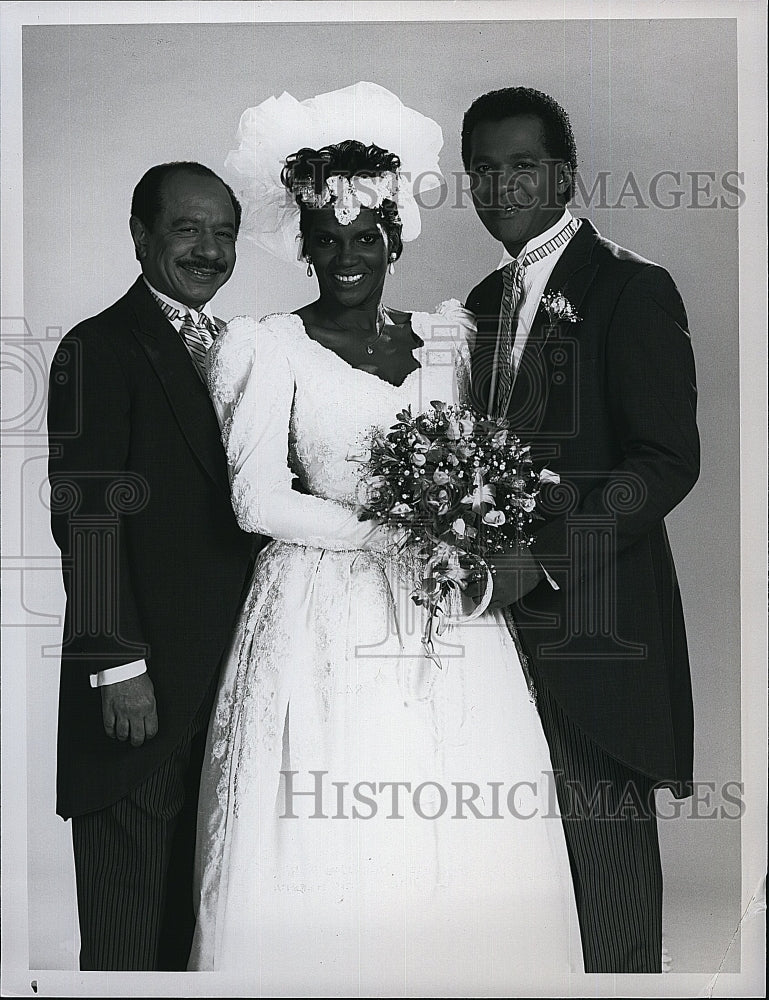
x=129, y=711
x=513, y=576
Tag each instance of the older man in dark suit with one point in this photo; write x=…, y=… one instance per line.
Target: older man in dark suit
x=154, y=565
x=584, y=347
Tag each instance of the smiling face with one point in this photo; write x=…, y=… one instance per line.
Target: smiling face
x=350, y=261
x=190, y=251
x=517, y=186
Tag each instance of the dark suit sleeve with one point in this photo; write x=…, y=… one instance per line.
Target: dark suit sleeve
x=92, y=493
x=652, y=396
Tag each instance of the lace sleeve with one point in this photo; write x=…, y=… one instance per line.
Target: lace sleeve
x=251, y=380
x=229, y=362
x=451, y=323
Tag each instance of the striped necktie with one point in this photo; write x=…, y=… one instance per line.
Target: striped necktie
x=512, y=293
x=198, y=337
x=512, y=296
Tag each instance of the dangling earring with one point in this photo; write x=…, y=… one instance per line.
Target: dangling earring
x=391, y=265
x=309, y=267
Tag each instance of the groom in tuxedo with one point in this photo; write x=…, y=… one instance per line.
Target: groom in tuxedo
x=584, y=347
x=153, y=564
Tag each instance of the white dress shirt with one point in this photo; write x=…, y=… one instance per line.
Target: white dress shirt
x=183, y=309
x=126, y=671
x=535, y=279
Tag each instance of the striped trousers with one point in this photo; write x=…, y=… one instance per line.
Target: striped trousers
x=134, y=863
x=611, y=836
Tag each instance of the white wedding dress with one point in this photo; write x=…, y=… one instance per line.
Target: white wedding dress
x=334, y=880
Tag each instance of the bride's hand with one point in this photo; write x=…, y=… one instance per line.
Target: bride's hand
x=385, y=538
x=397, y=537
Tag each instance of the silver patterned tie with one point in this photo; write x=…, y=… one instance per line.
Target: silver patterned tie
x=198, y=337
x=512, y=292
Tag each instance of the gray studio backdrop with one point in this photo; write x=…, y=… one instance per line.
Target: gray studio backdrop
x=103, y=103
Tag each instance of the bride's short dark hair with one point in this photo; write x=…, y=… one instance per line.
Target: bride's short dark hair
x=309, y=167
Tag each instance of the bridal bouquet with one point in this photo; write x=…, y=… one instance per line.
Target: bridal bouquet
x=463, y=488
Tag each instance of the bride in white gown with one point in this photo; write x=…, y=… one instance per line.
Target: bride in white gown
x=369, y=824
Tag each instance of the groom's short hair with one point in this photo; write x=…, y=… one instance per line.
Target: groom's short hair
x=147, y=200
x=509, y=102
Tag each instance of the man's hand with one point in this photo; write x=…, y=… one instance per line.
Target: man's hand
x=129, y=711
x=513, y=576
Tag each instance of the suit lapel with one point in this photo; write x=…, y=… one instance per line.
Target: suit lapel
x=186, y=393
x=484, y=354
x=572, y=275
x=573, y=272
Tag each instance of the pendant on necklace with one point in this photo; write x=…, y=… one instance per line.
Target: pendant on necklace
x=381, y=321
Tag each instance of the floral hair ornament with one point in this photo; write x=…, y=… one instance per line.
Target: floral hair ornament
x=274, y=129
x=349, y=194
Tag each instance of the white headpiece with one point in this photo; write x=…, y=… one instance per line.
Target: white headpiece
x=277, y=127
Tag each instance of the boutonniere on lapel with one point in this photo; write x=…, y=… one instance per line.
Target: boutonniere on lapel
x=559, y=309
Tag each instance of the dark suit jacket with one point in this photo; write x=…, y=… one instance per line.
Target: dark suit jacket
x=609, y=403
x=153, y=560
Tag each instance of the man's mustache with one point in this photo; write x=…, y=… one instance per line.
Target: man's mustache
x=204, y=265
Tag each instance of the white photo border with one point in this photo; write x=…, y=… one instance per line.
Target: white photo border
x=751, y=25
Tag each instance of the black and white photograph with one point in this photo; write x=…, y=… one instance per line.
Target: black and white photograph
x=384, y=498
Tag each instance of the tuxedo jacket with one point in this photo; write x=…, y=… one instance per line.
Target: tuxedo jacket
x=153, y=560
x=609, y=403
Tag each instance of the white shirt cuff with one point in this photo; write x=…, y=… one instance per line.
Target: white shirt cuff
x=115, y=674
